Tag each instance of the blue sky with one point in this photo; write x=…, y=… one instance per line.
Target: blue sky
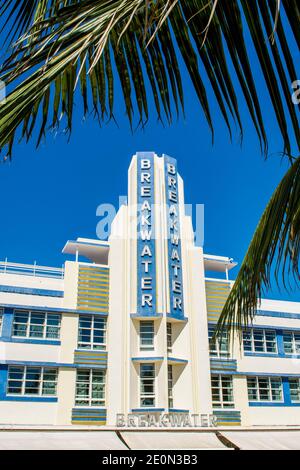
x=51, y=194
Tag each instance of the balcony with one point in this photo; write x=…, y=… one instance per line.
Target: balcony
x=31, y=270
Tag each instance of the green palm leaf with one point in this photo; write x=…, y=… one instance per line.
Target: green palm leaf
x=89, y=44
x=276, y=241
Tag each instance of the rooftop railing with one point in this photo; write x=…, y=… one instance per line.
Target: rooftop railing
x=31, y=270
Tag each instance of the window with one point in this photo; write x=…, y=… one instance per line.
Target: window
x=170, y=386
x=294, y=390
x=222, y=391
x=32, y=381
x=1, y=321
x=146, y=334
x=261, y=341
x=219, y=347
x=169, y=337
x=264, y=388
x=291, y=342
x=36, y=325
x=147, y=384
x=91, y=332
x=90, y=387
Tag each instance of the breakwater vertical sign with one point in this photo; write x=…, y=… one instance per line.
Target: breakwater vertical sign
x=146, y=278
x=174, y=238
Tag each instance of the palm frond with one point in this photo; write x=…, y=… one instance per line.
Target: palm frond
x=276, y=243
x=88, y=44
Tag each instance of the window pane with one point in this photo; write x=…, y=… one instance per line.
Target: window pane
x=91, y=332
x=20, y=323
x=146, y=333
x=147, y=384
x=288, y=342
x=222, y=391
x=294, y=389
x=15, y=380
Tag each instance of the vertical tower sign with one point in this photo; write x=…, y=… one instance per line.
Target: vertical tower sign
x=146, y=289
x=174, y=241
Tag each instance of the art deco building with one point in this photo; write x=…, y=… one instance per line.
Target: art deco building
x=124, y=327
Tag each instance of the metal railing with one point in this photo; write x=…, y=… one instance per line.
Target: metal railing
x=31, y=270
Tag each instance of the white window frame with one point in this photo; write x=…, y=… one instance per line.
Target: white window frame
x=293, y=342
x=215, y=347
x=251, y=332
x=222, y=402
x=146, y=347
x=269, y=389
x=170, y=386
x=169, y=336
x=28, y=324
x=297, y=380
x=89, y=397
x=24, y=380
x=145, y=395
x=93, y=344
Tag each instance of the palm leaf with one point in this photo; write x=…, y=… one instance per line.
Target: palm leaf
x=276, y=242
x=89, y=44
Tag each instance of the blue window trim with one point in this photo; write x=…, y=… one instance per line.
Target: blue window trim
x=7, y=328
x=29, y=399
x=287, y=402
x=14, y=339
x=52, y=364
x=31, y=291
x=147, y=359
x=21, y=398
x=7, y=321
x=279, y=340
x=175, y=410
x=256, y=354
x=270, y=403
x=51, y=309
x=175, y=359
x=266, y=313
x=147, y=409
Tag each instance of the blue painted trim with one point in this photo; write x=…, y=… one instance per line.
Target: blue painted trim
x=274, y=404
x=175, y=317
x=174, y=410
x=7, y=321
x=280, y=345
x=31, y=291
x=51, y=364
x=52, y=309
x=255, y=354
x=267, y=374
x=30, y=399
x=146, y=310
x=173, y=229
x=137, y=316
x=250, y=374
x=147, y=359
x=266, y=313
x=47, y=342
x=21, y=398
x=181, y=361
x=223, y=364
x=212, y=324
x=3, y=381
x=149, y=410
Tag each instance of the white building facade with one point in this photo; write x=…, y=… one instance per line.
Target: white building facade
x=126, y=332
